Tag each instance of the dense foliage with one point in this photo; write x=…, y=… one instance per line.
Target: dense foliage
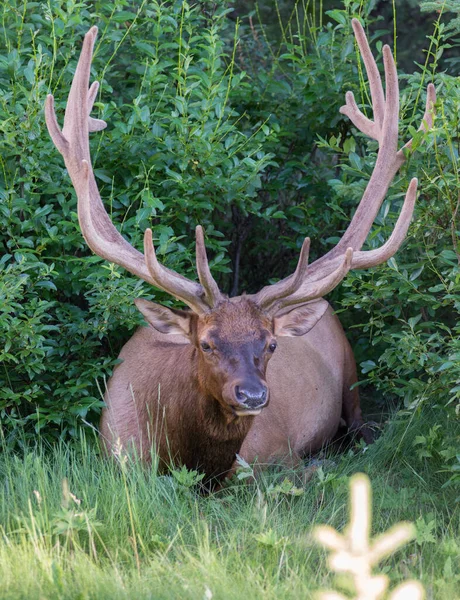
x=212, y=122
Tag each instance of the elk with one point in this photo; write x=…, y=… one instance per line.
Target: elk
x=267, y=375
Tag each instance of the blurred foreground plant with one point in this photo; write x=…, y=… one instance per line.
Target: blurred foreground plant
x=355, y=553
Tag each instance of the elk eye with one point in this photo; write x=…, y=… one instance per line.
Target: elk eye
x=205, y=347
x=272, y=346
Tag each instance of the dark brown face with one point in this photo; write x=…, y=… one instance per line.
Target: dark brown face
x=235, y=342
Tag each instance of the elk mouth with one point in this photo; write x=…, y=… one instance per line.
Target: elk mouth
x=248, y=412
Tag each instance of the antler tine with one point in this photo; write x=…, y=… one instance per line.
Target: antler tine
x=53, y=127
x=371, y=258
x=316, y=289
x=211, y=289
x=428, y=115
x=426, y=124
x=97, y=228
x=92, y=93
x=272, y=293
x=94, y=124
x=389, y=141
x=373, y=74
x=361, y=122
x=189, y=292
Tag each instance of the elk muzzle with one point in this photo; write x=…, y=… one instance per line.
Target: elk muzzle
x=251, y=398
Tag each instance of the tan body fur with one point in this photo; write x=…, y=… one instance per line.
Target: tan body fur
x=150, y=396
x=309, y=378
x=153, y=399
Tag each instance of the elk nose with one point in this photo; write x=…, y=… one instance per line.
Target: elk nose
x=251, y=396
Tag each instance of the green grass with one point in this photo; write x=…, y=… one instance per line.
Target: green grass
x=139, y=535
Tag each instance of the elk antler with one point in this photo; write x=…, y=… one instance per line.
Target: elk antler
x=334, y=265
x=97, y=228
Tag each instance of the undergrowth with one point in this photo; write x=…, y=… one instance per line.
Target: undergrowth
x=75, y=525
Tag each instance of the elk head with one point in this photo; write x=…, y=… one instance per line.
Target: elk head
x=235, y=338
x=233, y=344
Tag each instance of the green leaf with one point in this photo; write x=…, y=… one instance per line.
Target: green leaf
x=367, y=366
x=339, y=16
x=123, y=15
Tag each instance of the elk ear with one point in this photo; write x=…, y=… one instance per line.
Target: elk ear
x=300, y=320
x=165, y=320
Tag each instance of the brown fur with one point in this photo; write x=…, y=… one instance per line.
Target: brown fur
x=169, y=394
x=160, y=404
x=309, y=379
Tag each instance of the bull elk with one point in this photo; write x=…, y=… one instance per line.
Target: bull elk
x=197, y=383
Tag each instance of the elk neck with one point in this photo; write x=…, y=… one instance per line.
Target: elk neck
x=218, y=434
